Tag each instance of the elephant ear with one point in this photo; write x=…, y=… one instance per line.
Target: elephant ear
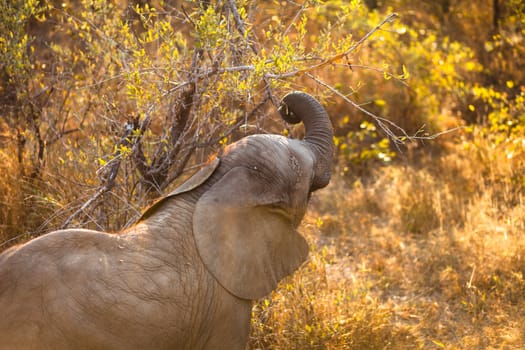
x=193, y=182
x=247, y=242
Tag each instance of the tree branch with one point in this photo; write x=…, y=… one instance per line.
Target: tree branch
x=240, y=28
x=383, y=123
x=112, y=169
x=290, y=74
x=338, y=56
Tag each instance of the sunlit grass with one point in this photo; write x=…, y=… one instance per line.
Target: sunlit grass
x=427, y=253
x=11, y=196
x=426, y=256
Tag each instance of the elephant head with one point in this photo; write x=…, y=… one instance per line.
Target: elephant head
x=253, y=197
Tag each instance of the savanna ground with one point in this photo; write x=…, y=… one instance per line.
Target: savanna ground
x=429, y=254
x=417, y=243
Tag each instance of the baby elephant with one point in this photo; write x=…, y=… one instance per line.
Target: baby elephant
x=184, y=276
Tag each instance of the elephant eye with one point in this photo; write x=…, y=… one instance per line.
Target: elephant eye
x=276, y=206
x=279, y=209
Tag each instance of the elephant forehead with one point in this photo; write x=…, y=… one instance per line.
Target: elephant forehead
x=279, y=160
x=275, y=150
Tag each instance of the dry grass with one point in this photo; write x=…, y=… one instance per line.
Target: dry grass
x=26, y=202
x=12, y=206
x=428, y=253
x=425, y=256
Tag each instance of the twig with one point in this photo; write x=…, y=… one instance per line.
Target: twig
x=242, y=31
x=84, y=206
x=237, y=17
x=299, y=12
x=380, y=121
x=382, y=71
x=383, y=123
x=113, y=165
x=469, y=283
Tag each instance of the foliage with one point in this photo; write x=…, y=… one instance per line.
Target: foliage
x=106, y=104
x=326, y=308
x=138, y=94
x=426, y=256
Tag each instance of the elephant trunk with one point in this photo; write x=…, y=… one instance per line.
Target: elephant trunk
x=299, y=106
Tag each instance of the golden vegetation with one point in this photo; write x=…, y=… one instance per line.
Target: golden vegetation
x=425, y=256
x=417, y=243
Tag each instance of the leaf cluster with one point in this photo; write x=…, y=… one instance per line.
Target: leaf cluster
x=112, y=102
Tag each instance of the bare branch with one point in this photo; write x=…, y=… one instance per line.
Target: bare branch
x=112, y=168
x=84, y=206
x=237, y=17
x=240, y=27
x=385, y=124
x=382, y=71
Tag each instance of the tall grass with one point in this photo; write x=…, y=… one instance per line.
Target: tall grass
x=425, y=254
x=15, y=216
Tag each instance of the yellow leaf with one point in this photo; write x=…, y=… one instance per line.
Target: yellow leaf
x=510, y=84
x=438, y=343
x=470, y=66
x=406, y=74
x=471, y=108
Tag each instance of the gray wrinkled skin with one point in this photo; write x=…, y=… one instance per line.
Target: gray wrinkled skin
x=184, y=275
x=142, y=289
